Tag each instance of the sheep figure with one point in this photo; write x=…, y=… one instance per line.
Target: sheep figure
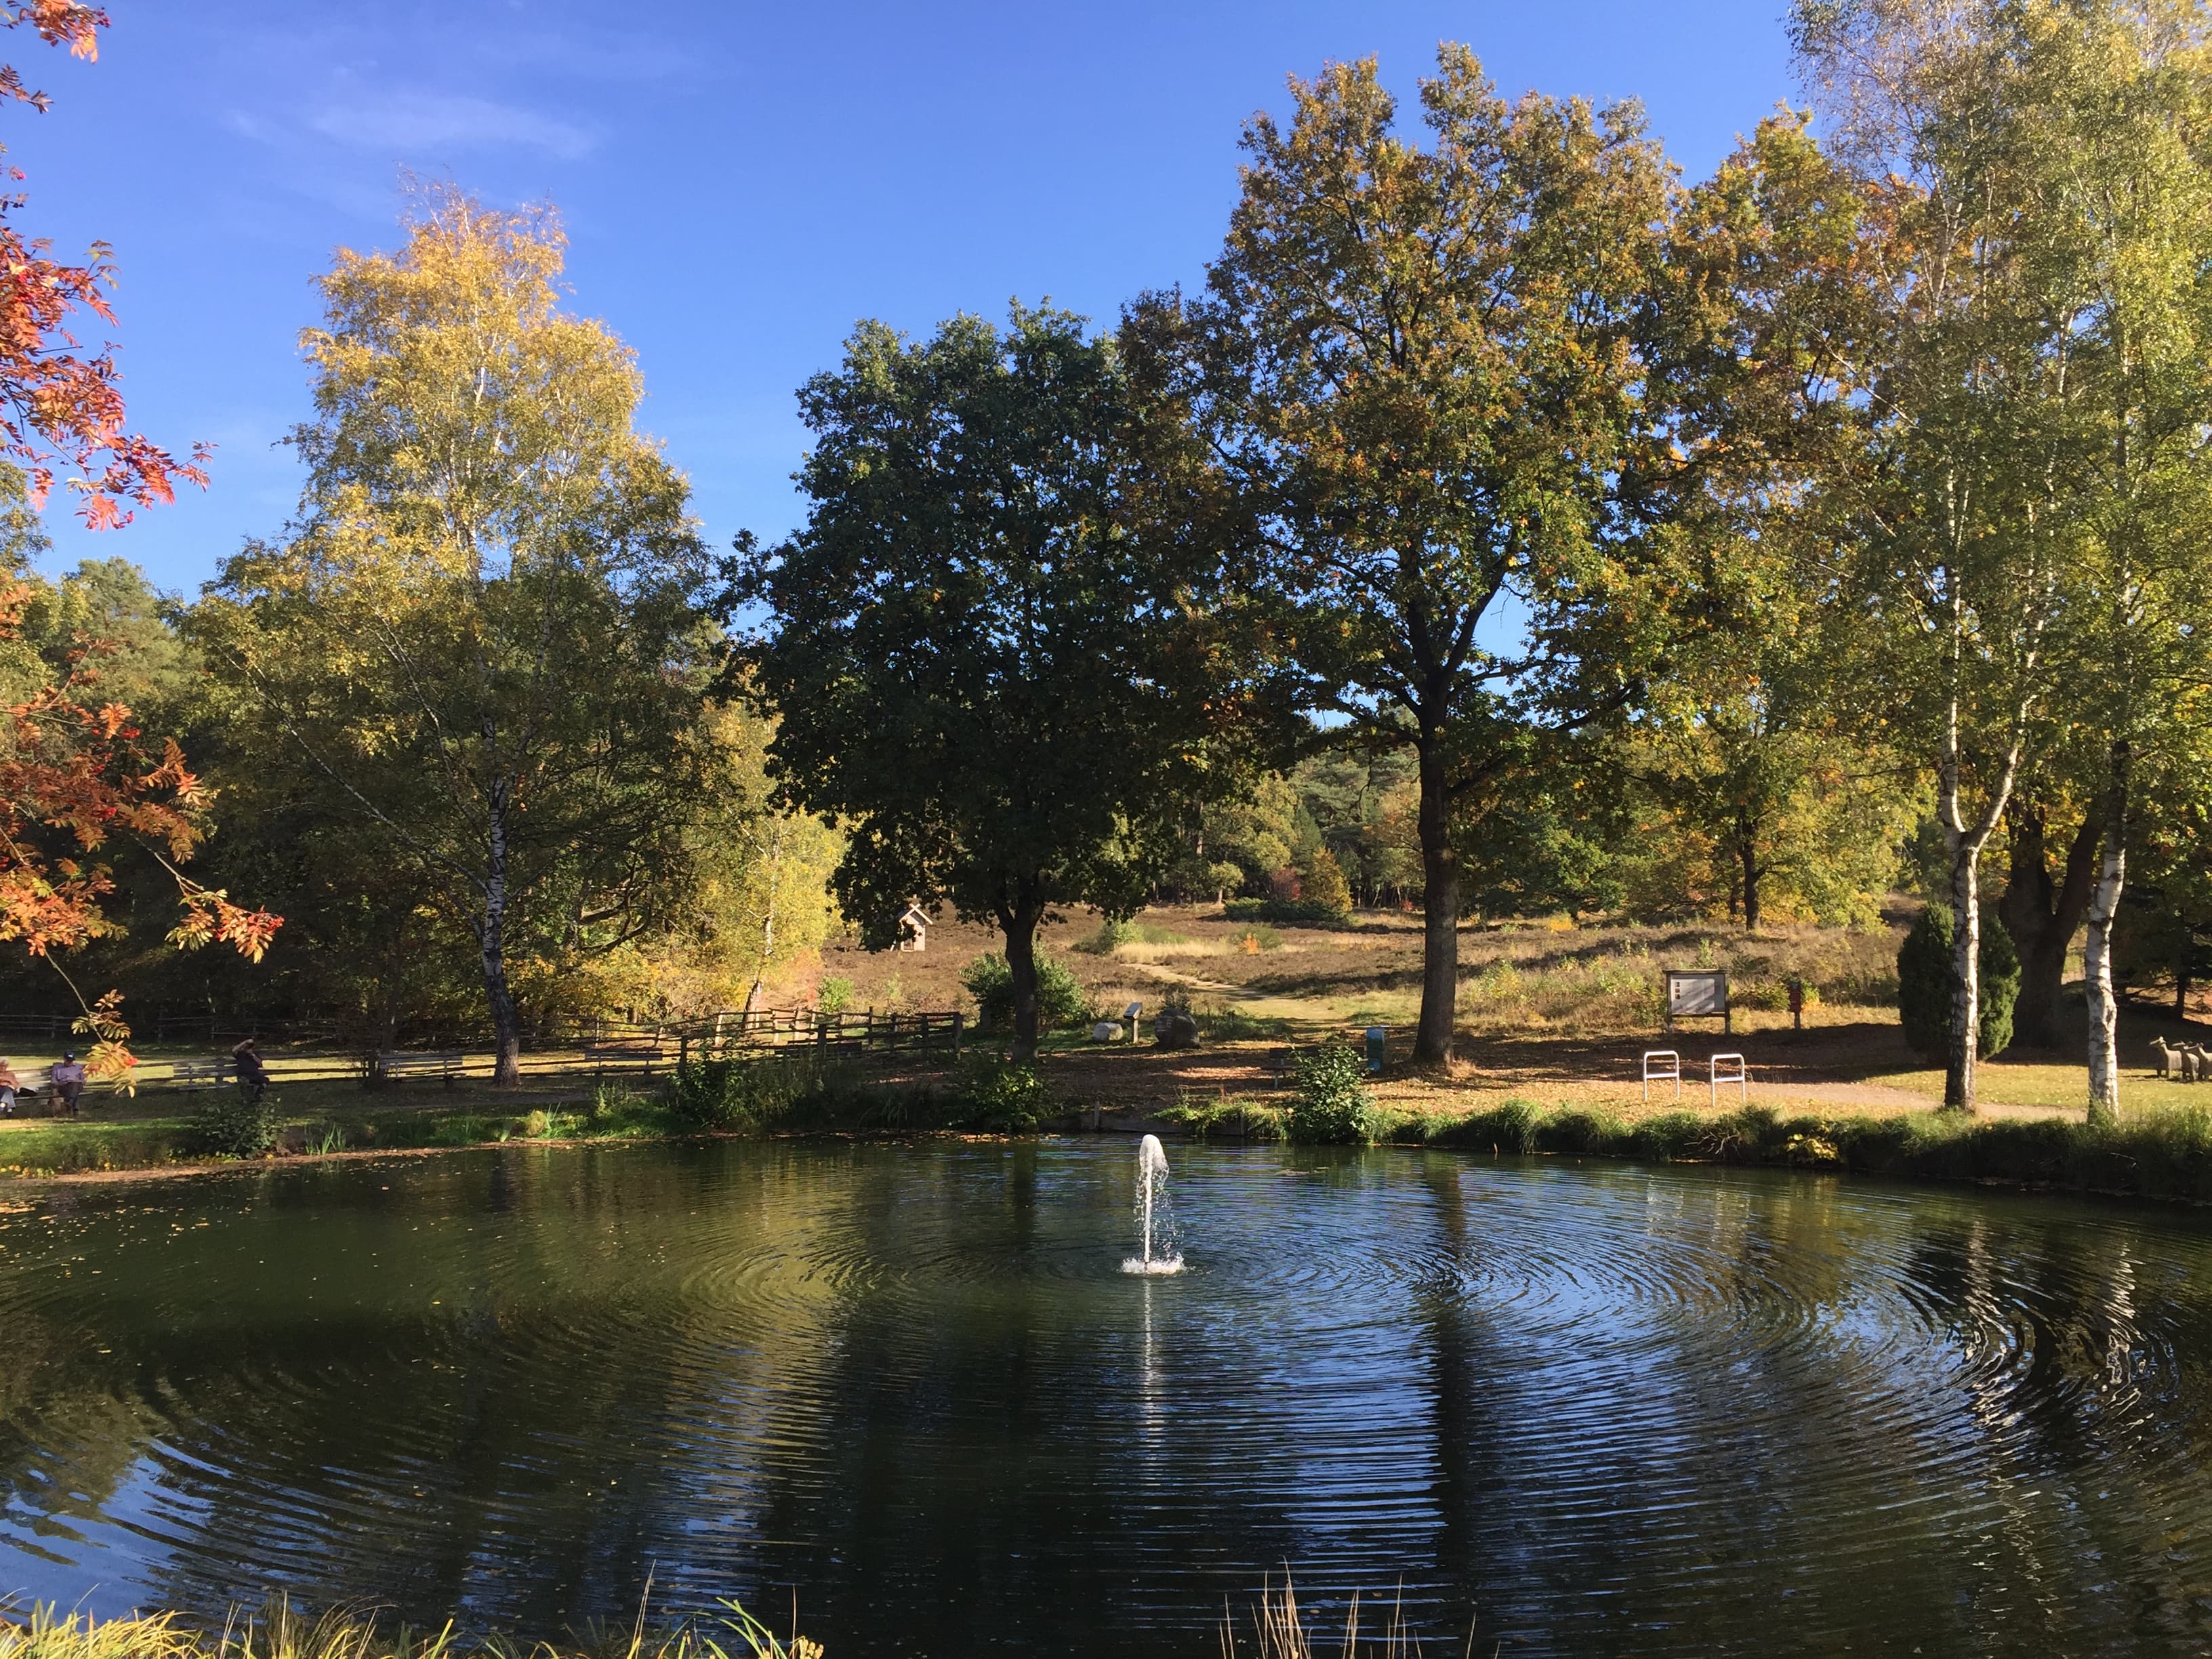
x=2203, y=1056
x=2167, y=1060
x=2192, y=1062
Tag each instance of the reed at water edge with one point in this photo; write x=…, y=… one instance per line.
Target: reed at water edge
x=280, y=1631
x=1279, y=1632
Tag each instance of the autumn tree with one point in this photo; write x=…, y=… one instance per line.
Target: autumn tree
x=990, y=650
x=482, y=636
x=1761, y=774
x=1421, y=365
x=78, y=770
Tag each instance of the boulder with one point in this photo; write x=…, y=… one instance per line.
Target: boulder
x=1175, y=1030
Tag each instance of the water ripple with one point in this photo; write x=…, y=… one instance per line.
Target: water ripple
x=1601, y=1409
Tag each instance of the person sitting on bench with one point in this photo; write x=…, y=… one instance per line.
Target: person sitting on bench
x=252, y=1075
x=68, y=1078
x=10, y=1087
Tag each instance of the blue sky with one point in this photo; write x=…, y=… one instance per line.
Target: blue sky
x=741, y=182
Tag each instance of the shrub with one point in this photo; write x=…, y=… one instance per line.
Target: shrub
x=1926, y=983
x=1061, y=999
x=1221, y=1022
x=748, y=1091
x=1333, y=1107
x=230, y=1125
x=999, y=1097
x=1109, y=933
x=834, y=995
x=1291, y=912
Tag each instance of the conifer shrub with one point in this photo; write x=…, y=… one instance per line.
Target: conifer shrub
x=1926, y=983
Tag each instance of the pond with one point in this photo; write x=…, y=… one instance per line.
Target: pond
x=1594, y=1409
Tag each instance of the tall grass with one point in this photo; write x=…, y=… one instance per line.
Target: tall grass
x=1279, y=1630
x=1110, y=936
x=281, y=1631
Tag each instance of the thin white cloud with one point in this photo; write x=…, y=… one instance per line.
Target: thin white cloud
x=408, y=123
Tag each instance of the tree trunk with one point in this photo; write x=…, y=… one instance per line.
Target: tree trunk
x=1966, y=975
x=2041, y=917
x=2097, y=967
x=753, y=997
x=1019, y=925
x=506, y=1028
x=1432, y=1038
x=1749, y=853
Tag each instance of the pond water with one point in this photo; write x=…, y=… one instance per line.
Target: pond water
x=1593, y=1409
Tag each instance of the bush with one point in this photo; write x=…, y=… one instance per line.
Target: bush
x=1109, y=934
x=834, y=995
x=1333, y=1107
x=751, y=1092
x=1291, y=913
x=1061, y=999
x=1000, y=1098
x=1926, y=983
x=231, y=1126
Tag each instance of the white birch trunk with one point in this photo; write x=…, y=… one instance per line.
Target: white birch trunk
x=2097, y=985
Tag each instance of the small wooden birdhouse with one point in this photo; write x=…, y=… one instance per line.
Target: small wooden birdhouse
x=912, y=930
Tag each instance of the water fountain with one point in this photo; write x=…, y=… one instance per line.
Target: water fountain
x=1155, y=1218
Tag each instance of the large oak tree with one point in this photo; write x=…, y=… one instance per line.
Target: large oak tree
x=1421, y=366
x=998, y=650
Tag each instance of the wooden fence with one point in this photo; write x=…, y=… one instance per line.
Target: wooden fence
x=738, y=1029
x=585, y=1049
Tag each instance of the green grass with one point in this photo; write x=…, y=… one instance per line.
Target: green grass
x=1201, y=1116
x=2162, y=1153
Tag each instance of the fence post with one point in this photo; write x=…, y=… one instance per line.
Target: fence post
x=958, y=1019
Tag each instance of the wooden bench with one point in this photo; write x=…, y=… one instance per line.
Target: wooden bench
x=395, y=1066
x=615, y=1053
x=191, y=1075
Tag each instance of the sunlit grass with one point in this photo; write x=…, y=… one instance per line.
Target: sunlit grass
x=281, y=1631
x=2016, y=1083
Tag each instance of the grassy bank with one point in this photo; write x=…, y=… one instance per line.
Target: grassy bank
x=2164, y=1153
x=2159, y=1152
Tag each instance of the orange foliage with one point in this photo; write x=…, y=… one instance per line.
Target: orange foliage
x=73, y=774
x=60, y=407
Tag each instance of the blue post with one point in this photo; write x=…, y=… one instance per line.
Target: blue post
x=1378, y=1039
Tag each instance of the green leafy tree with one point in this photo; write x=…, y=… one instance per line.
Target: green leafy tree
x=1762, y=777
x=482, y=639
x=985, y=651
x=1321, y=882
x=2116, y=101
x=1421, y=366
x=1963, y=531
